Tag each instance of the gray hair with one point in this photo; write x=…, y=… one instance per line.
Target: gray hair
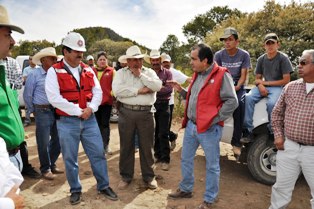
x=310, y=52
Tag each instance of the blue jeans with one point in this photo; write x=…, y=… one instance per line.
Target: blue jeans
x=254, y=97
x=72, y=130
x=47, y=139
x=17, y=161
x=209, y=141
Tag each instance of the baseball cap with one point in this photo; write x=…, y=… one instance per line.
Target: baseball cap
x=271, y=37
x=228, y=32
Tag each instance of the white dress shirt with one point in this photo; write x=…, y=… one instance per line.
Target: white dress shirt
x=52, y=89
x=178, y=76
x=9, y=177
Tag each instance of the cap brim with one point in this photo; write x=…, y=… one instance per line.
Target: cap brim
x=224, y=37
x=271, y=39
x=14, y=28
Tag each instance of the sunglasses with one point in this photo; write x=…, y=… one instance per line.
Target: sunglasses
x=303, y=62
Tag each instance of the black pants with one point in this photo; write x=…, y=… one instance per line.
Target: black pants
x=161, y=146
x=103, y=120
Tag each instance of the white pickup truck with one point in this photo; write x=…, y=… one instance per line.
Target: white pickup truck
x=260, y=154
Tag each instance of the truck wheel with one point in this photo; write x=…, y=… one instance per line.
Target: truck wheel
x=262, y=160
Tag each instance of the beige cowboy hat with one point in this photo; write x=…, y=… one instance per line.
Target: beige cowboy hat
x=46, y=52
x=165, y=57
x=131, y=52
x=154, y=54
x=5, y=22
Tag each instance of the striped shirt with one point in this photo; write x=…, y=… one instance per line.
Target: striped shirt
x=293, y=115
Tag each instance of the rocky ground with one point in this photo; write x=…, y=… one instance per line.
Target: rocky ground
x=238, y=190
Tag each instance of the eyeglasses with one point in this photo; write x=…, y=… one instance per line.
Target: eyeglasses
x=303, y=62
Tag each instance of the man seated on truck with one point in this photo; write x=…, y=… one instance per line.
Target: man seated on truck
x=272, y=72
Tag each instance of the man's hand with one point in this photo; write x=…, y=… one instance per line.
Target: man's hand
x=144, y=90
x=262, y=89
x=86, y=113
x=175, y=85
x=136, y=71
x=279, y=142
x=17, y=199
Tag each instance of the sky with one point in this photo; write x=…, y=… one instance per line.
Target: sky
x=148, y=22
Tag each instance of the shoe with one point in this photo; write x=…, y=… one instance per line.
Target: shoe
x=173, y=136
x=173, y=145
x=165, y=166
x=205, y=205
x=180, y=194
x=152, y=184
x=56, y=170
x=48, y=175
x=123, y=185
x=30, y=172
x=247, y=138
x=108, y=150
x=236, y=150
x=109, y=193
x=75, y=198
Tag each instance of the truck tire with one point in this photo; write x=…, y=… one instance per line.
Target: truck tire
x=261, y=159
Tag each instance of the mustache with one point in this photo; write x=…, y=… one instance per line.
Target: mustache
x=11, y=46
x=79, y=57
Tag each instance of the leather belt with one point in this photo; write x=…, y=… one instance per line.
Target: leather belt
x=136, y=107
x=43, y=106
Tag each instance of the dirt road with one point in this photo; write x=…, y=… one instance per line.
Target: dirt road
x=238, y=190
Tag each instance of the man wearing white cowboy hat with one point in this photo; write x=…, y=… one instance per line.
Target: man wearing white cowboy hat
x=11, y=127
x=74, y=90
x=162, y=115
x=135, y=88
x=35, y=98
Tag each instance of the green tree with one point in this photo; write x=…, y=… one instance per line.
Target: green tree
x=171, y=46
x=30, y=47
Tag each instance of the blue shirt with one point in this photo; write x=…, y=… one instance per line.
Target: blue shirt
x=234, y=63
x=34, y=92
x=28, y=70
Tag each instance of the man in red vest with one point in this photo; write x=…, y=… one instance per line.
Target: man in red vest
x=74, y=90
x=211, y=99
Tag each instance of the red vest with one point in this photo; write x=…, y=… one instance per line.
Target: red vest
x=208, y=101
x=69, y=88
x=106, y=84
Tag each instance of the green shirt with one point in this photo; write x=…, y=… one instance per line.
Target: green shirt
x=11, y=127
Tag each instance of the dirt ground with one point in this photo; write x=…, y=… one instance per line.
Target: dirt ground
x=238, y=190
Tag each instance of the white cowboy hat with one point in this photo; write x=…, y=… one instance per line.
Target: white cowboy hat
x=165, y=57
x=5, y=22
x=46, y=52
x=89, y=57
x=154, y=54
x=131, y=52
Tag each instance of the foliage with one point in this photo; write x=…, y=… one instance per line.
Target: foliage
x=30, y=47
x=202, y=24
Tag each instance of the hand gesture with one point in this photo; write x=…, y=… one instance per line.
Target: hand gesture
x=17, y=199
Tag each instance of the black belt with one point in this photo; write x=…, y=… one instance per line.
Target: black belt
x=13, y=151
x=43, y=106
x=136, y=107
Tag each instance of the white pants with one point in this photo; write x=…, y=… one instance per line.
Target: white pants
x=290, y=162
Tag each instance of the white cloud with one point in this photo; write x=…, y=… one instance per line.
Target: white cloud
x=148, y=22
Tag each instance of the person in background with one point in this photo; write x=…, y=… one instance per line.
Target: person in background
x=204, y=129
x=237, y=61
x=74, y=90
x=90, y=61
x=105, y=75
x=11, y=127
x=135, y=88
x=29, y=69
x=35, y=97
x=293, y=125
x=272, y=72
x=181, y=78
x=13, y=73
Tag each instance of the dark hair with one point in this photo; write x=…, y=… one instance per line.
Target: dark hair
x=204, y=51
x=236, y=37
x=101, y=53
x=66, y=48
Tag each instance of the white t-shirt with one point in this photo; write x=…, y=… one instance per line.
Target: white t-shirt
x=178, y=76
x=309, y=87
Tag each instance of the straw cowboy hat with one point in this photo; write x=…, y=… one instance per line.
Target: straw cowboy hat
x=5, y=22
x=46, y=52
x=154, y=54
x=165, y=57
x=131, y=52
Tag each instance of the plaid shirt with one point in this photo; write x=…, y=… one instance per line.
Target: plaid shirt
x=293, y=115
x=13, y=73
